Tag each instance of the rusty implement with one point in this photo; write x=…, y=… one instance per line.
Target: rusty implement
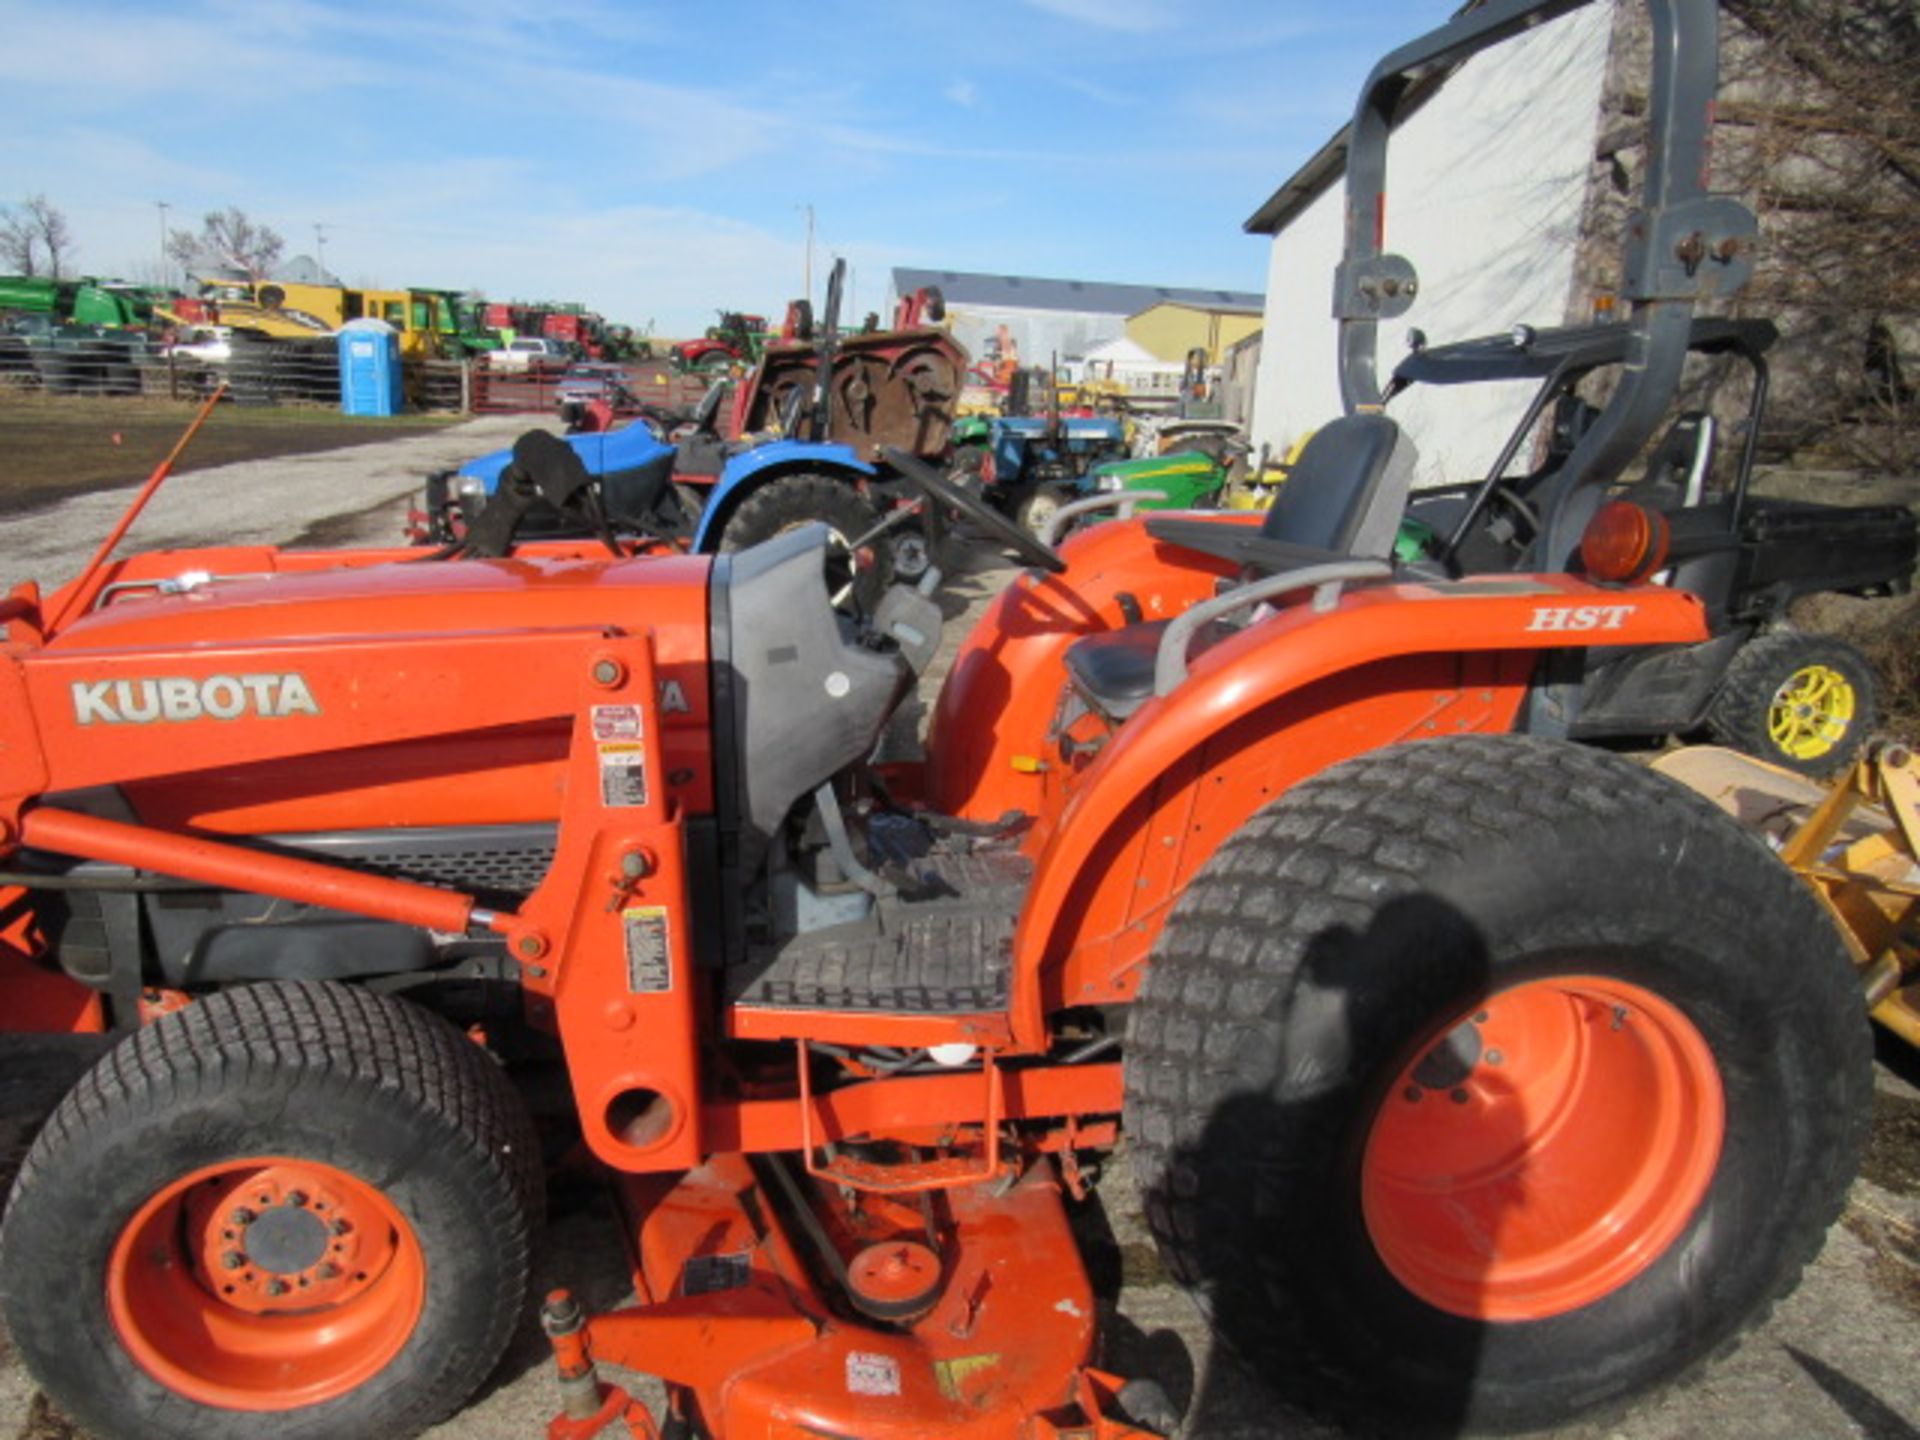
x=890, y=387
x=1856, y=844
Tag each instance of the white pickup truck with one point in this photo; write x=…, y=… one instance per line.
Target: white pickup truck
x=525, y=351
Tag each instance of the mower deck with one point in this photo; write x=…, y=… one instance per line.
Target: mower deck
x=764, y=1296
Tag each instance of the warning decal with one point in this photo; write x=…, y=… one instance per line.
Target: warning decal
x=870, y=1374
x=649, y=964
x=617, y=722
x=623, y=773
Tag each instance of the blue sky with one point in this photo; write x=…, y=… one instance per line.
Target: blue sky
x=652, y=160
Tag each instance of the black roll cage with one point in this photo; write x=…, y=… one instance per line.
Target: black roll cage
x=1560, y=359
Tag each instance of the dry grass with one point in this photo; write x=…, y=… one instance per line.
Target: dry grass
x=53, y=446
x=1888, y=633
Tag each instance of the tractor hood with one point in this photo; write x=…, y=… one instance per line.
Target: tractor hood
x=321, y=692
x=247, y=597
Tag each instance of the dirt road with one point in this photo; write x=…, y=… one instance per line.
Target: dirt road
x=1836, y=1360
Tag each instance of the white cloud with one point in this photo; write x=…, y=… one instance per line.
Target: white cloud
x=1135, y=16
x=963, y=93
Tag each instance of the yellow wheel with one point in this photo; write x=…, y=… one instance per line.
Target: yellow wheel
x=1804, y=702
x=1812, y=712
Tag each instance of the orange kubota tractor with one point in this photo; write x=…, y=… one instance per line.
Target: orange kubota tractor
x=1469, y=1075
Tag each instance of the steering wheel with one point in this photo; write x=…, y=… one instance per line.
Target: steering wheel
x=941, y=491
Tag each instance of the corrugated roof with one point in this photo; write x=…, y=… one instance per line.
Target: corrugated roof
x=1095, y=297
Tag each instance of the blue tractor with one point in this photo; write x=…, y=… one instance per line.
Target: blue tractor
x=679, y=478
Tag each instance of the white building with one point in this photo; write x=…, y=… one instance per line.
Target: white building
x=1049, y=320
x=1487, y=186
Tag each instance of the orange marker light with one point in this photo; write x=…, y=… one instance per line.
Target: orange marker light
x=1624, y=542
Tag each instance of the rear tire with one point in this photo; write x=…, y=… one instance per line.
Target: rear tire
x=1804, y=702
x=1520, y=932
x=294, y=1211
x=790, y=501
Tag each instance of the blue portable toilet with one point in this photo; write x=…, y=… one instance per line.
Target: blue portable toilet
x=369, y=368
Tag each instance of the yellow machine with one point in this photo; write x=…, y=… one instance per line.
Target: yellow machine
x=1856, y=844
x=1257, y=487
x=279, y=310
x=286, y=310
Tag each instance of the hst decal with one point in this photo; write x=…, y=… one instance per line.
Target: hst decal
x=178, y=699
x=1580, y=617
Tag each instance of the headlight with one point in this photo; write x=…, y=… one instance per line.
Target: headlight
x=1109, y=483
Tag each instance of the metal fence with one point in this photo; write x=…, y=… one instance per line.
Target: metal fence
x=537, y=388
x=257, y=371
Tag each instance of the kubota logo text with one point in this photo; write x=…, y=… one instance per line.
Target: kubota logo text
x=1579, y=617
x=217, y=697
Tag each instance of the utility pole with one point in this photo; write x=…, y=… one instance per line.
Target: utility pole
x=807, y=283
x=320, y=249
x=165, y=270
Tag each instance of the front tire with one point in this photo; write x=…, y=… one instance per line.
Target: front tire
x=790, y=501
x=1804, y=702
x=1483, y=1082
x=1036, y=511
x=293, y=1211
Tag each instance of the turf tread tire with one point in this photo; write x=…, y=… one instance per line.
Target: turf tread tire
x=1224, y=1030
x=351, y=1053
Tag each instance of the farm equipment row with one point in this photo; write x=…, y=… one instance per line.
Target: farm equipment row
x=1472, y=1076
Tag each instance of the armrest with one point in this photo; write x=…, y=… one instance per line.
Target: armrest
x=1124, y=500
x=1170, y=661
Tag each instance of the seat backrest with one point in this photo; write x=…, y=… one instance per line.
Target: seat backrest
x=1348, y=490
x=1678, y=467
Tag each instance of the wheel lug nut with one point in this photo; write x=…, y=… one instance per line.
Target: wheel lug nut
x=343, y=1227
x=242, y=1216
x=233, y=1259
x=276, y=1287
x=297, y=1197
x=1494, y=1057
x=328, y=1271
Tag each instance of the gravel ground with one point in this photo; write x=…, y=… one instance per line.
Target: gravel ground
x=276, y=501
x=1837, y=1359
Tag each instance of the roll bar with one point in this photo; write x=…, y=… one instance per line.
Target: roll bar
x=1682, y=244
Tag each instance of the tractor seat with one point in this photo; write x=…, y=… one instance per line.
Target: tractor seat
x=1344, y=500
x=632, y=494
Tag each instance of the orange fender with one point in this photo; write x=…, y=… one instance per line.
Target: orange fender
x=997, y=705
x=1284, y=699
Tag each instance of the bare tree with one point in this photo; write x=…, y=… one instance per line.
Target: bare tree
x=229, y=238
x=19, y=244
x=36, y=231
x=1818, y=130
x=1820, y=126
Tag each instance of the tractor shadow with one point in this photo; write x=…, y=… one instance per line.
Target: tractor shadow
x=1874, y=1417
x=1311, y=1334
x=581, y=1249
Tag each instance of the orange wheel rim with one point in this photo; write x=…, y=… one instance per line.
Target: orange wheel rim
x=1544, y=1150
x=265, y=1284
